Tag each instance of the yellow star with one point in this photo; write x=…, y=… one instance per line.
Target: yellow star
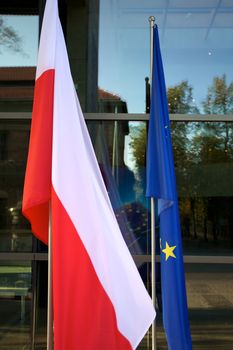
x=169, y=251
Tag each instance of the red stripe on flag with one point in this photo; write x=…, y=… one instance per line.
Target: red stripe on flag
x=37, y=187
x=86, y=318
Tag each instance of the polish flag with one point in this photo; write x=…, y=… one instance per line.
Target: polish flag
x=100, y=302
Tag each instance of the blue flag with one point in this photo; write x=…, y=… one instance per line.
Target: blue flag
x=161, y=184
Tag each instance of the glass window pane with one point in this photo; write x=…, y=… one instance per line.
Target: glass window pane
x=15, y=305
x=124, y=177
x=41, y=305
x=18, y=52
x=204, y=166
x=203, y=156
x=196, y=44
x=19, y=40
x=15, y=232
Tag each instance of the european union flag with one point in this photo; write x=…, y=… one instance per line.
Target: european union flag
x=161, y=184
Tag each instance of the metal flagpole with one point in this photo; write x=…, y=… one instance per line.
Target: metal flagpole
x=153, y=244
x=115, y=159
x=50, y=288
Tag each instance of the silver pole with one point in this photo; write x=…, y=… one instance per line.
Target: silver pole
x=115, y=159
x=50, y=289
x=153, y=244
x=153, y=272
x=152, y=23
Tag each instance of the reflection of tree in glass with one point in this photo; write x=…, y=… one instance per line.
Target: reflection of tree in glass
x=138, y=144
x=181, y=143
x=9, y=38
x=183, y=161
x=212, y=144
x=219, y=98
x=212, y=155
x=180, y=99
x=203, y=154
x=212, y=150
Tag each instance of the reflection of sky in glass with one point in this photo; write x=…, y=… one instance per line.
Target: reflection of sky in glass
x=195, y=38
x=26, y=27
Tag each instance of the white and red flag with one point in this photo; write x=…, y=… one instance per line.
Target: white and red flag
x=100, y=302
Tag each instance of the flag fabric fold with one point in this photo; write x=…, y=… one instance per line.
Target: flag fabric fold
x=161, y=184
x=100, y=301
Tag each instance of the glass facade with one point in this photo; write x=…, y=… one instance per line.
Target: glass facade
x=196, y=45
x=15, y=230
x=108, y=47
x=15, y=304
x=19, y=40
x=203, y=155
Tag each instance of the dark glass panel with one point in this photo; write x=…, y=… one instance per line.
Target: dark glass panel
x=15, y=305
x=14, y=228
x=204, y=165
x=41, y=305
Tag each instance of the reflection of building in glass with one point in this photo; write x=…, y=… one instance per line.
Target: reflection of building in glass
x=16, y=88
x=110, y=103
x=115, y=132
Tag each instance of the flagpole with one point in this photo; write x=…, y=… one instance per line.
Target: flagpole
x=50, y=288
x=153, y=244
